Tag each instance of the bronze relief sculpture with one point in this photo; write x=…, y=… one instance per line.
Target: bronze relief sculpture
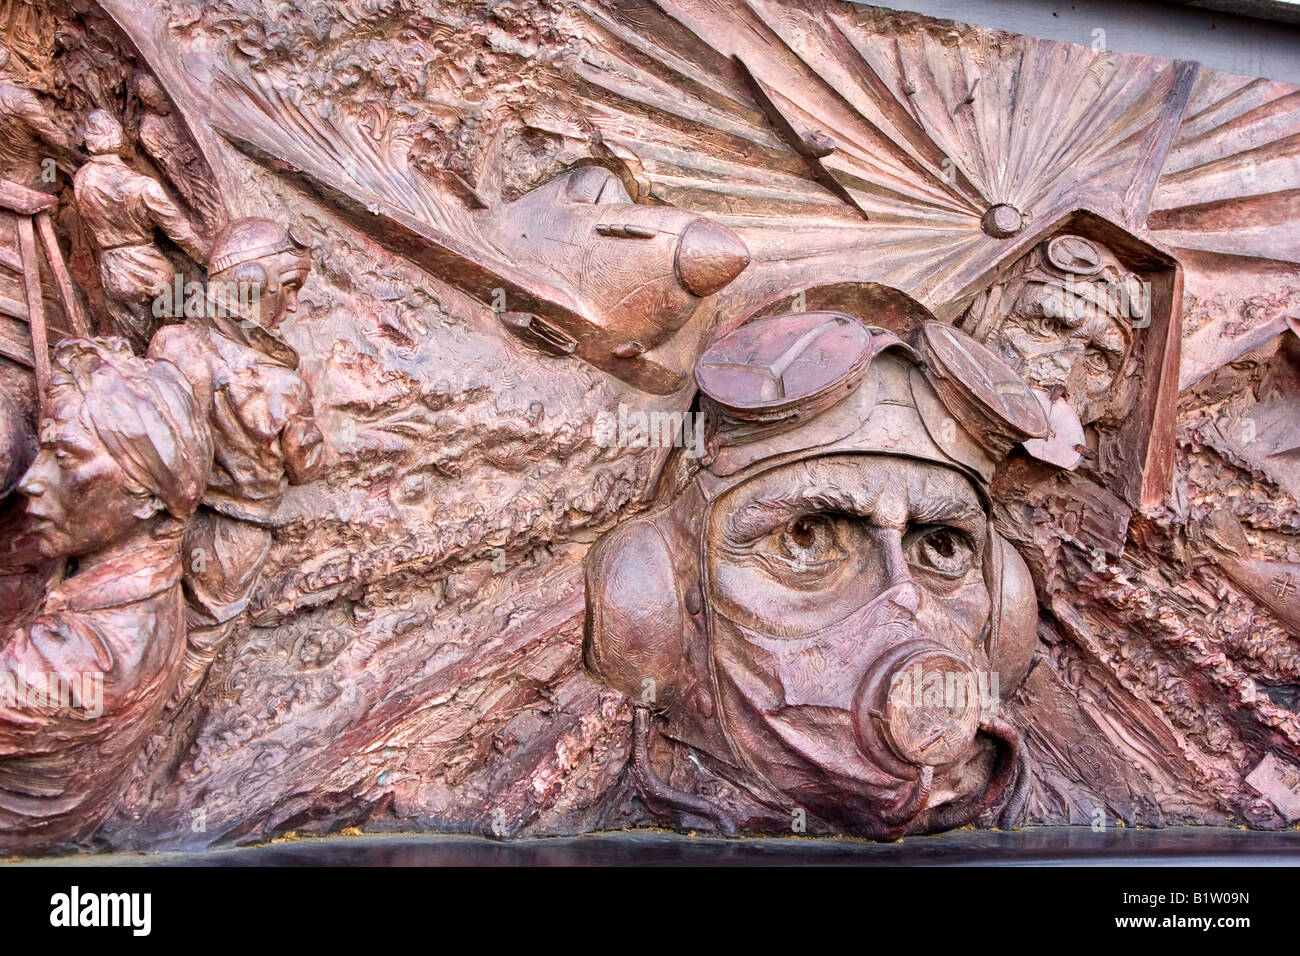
x=747, y=416
x=825, y=611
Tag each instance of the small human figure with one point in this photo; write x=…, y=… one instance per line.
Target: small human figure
x=262, y=419
x=28, y=134
x=121, y=209
x=125, y=454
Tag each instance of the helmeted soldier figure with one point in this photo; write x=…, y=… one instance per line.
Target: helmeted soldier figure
x=1064, y=319
x=263, y=425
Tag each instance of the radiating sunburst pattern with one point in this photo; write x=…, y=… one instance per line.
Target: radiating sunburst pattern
x=931, y=127
x=1231, y=183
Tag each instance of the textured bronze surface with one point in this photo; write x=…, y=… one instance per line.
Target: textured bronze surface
x=539, y=418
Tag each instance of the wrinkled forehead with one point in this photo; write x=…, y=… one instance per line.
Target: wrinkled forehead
x=1092, y=325
x=888, y=490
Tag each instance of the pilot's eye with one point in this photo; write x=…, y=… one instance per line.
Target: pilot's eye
x=941, y=550
x=810, y=542
x=1096, y=361
x=1044, y=325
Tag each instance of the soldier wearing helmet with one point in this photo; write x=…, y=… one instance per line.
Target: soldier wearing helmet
x=263, y=423
x=823, y=621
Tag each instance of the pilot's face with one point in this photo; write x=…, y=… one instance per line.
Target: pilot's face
x=78, y=497
x=1057, y=338
x=820, y=573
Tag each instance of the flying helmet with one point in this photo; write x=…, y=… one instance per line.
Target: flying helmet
x=251, y=239
x=784, y=389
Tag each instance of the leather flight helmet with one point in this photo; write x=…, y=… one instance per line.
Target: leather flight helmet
x=783, y=389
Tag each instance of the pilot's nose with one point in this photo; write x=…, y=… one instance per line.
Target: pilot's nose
x=904, y=594
x=710, y=256
x=918, y=704
x=1066, y=355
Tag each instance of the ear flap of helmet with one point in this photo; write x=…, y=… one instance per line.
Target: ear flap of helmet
x=1014, y=629
x=634, y=630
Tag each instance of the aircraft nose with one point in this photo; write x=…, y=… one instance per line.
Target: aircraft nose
x=710, y=256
